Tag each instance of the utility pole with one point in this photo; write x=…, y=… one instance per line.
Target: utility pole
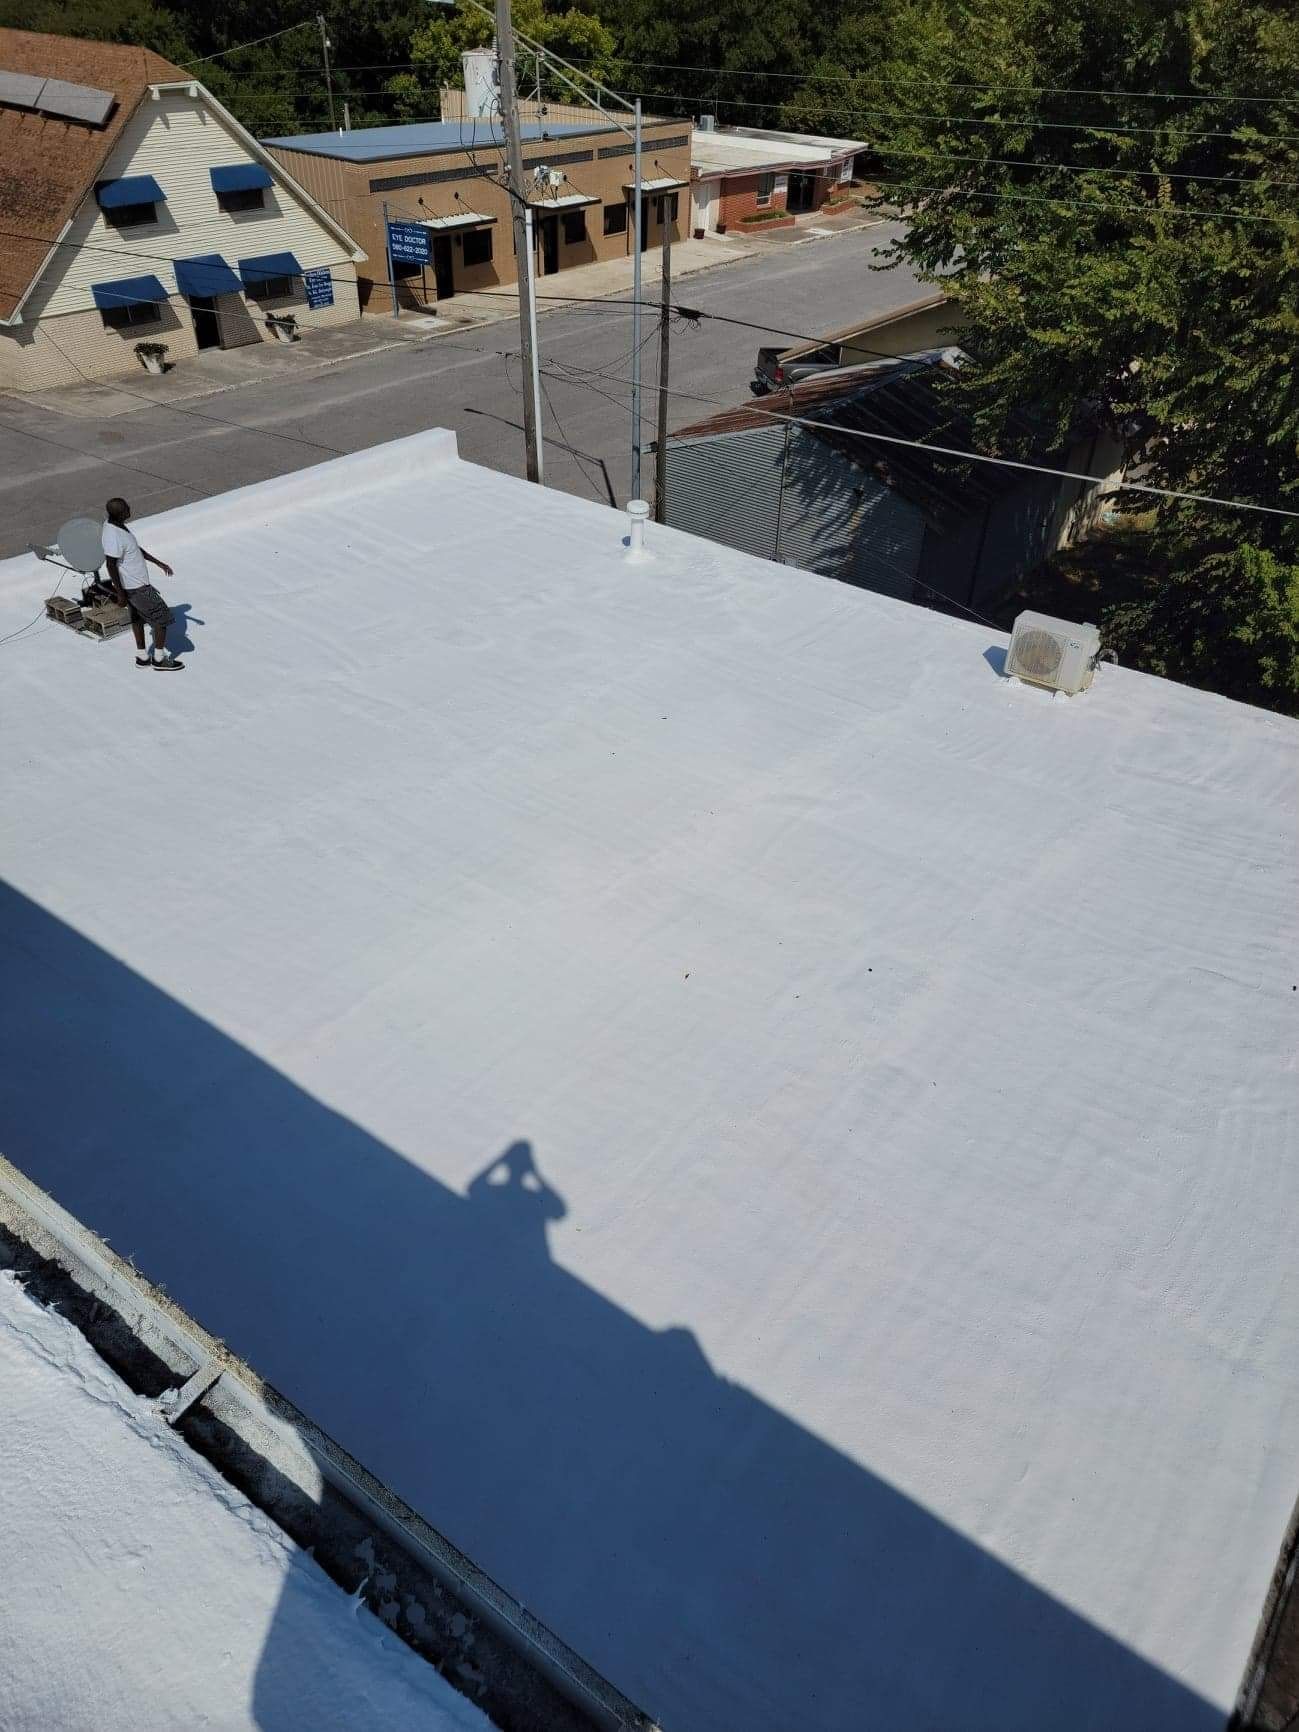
x=661, y=445
x=522, y=229
x=329, y=79
x=638, y=217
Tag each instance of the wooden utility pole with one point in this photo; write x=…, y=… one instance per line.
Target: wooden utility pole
x=661, y=447
x=522, y=240
x=329, y=79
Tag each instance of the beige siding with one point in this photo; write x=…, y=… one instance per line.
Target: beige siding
x=178, y=140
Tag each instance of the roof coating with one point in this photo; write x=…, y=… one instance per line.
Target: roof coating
x=776, y=1140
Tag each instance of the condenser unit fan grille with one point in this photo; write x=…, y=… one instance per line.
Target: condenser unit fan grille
x=1038, y=655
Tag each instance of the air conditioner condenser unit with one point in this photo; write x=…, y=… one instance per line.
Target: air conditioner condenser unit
x=1053, y=653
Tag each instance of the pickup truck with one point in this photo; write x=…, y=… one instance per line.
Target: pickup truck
x=776, y=368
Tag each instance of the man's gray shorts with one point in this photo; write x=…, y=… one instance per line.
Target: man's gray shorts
x=148, y=606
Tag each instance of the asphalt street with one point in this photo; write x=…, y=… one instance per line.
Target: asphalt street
x=54, y=466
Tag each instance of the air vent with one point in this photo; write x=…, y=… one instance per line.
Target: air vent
x=1053, y=653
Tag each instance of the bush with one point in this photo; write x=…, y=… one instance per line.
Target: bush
x=154, y=351
x=767, y=216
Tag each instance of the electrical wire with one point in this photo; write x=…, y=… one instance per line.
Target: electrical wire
x=719, y=72
x=42, y=330
x=968, y=456
x=306, y=24
x=95, y=457
x=1006, y=121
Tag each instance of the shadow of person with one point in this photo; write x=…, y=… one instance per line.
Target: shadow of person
x=179, y=641
x=719, y=1561
x=517, y=1199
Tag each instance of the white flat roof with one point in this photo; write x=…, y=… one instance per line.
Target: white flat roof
x=564, y=201
x=461, y=219
x=664, y=183
x=140, y=1589
x=749, y=153
x=776, y=1141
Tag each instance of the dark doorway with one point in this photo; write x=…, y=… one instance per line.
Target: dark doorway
x=207, y=327
x=549, y=245
x=646, y=206
x=443, y=272
x=802, y=192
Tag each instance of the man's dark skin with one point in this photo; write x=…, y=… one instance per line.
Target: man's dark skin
x=120, y=517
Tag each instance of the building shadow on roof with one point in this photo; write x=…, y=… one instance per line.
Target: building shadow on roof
x=722, y=1565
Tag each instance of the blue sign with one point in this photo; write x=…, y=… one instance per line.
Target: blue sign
x=411, y=242
x=319, y=285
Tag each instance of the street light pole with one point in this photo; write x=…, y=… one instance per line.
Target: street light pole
x=635, y=309
x=661, y=446
x=521, y=215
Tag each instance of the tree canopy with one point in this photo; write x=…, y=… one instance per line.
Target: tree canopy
x=1110, y=196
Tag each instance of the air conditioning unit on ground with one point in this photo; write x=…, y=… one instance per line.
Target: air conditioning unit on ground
x=1053, y=653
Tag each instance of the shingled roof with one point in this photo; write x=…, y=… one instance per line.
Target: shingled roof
x=47, y=165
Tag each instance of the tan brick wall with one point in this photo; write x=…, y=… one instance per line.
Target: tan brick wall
x=446, y=183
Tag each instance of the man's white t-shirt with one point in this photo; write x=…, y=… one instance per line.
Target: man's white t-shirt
x=122, y=546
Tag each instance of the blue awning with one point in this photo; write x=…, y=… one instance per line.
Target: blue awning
x=205, y=276
x=134, y=189
x=240, y=177
x=128, y=292
x=269, y=265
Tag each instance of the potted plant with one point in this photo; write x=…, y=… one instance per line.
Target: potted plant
x=152, y=355
x=284, y=327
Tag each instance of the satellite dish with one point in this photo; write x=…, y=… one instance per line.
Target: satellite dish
x=81, y=545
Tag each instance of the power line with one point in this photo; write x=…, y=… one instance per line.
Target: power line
x=42, y=330
x=306, y=24
x=966, y=456
x=94, y=456
x=1148, y=210
x=719, y=72
x=1041, y=164
x=1083, y=167
x=1007, y=121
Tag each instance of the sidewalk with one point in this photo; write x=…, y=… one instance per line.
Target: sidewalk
x=611, y=277
x=219, y=370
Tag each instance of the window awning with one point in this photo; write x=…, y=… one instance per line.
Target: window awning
x=267, y=267
x=240, y=177
x=464, y=219
x=665, y=183
x=205, y=276
x=128, y=292
x=132, y=189
x=568, y=201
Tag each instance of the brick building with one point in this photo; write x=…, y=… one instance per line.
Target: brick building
x=748, y=180
x=448, y=176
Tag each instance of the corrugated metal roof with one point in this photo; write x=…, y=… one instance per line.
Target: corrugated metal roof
x=908, y=399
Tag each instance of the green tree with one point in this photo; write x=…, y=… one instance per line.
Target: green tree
x=1139, y=253
x=437, y=45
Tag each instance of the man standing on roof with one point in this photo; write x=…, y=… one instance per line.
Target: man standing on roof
x=126, y=571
